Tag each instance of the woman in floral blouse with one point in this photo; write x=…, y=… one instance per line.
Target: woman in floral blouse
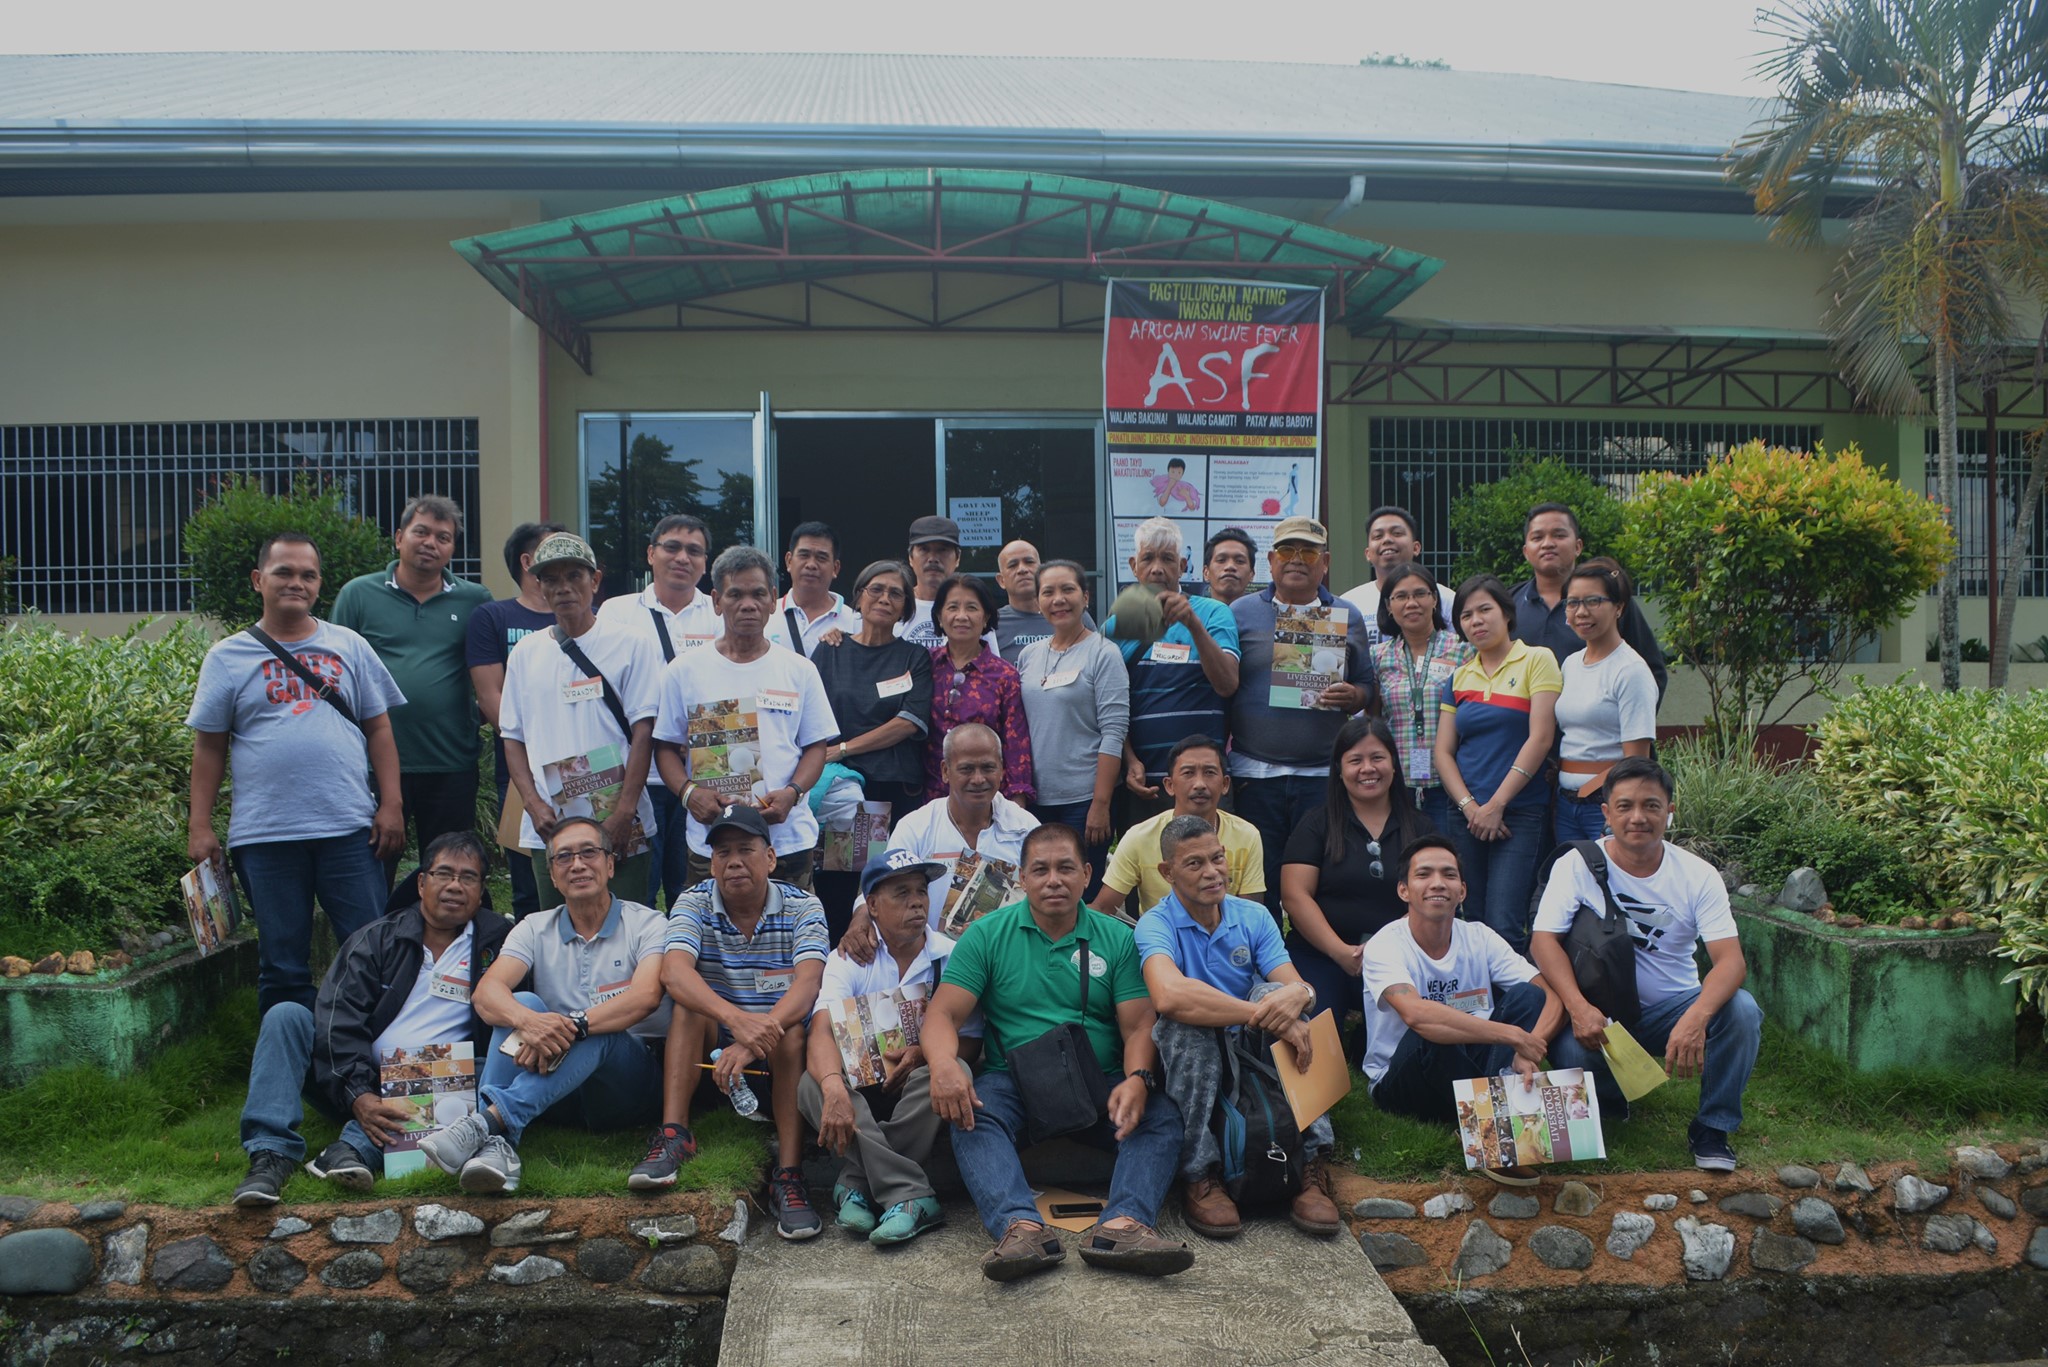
x=1416, y=656
x=970, y=682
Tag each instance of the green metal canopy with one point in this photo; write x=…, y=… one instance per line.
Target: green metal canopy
x=678, y=253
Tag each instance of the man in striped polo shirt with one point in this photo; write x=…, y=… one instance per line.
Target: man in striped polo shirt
x=745, y=956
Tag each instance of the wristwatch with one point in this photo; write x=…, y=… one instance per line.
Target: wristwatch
x=1311, y=993
x=1148, y=1077
x=582, y=1024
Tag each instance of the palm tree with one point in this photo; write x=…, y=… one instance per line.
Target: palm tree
x=1930, y=112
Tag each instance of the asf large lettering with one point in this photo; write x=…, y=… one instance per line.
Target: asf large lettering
x=1168, y=374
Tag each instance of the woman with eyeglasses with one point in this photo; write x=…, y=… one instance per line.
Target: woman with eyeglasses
x=1077, y=695
x=1415, y=657
x=880, y=688
x=1338, y=873
x=1608, y=709
x=970, y=682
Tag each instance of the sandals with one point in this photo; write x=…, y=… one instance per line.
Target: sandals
x=1135, y=1249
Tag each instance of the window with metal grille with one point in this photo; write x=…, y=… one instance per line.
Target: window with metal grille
x=1425, y=464
x=94, y=512
x=1972, y=565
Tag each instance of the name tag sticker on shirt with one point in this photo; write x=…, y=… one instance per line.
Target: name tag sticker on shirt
x=1061, y=679
x=691, y=641
x=1171, y=653
x=448, y=988
x=1473, y=1002
x=774, y=980
x=777, y=701
x=606, y=991
x=889, y=688
x=582, y=690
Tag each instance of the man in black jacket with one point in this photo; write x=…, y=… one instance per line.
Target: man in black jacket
x=402, y=980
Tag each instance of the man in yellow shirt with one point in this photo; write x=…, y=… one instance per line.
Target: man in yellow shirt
x=1196, y=779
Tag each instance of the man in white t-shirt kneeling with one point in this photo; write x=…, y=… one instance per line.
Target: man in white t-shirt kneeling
x=1446, y=999
x=1673, y=899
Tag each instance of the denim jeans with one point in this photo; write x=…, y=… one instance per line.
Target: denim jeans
x=525, y=894
x=281, y=878
x=606, y=1082
x=1335, y=989
x=1435, y=804
x=987, y=1155
x=1419, y=1076
x=1733, y=1037
x=1575, y=820
x=1276, y=806
x=668, y=878
x=1500, y=875
x=277, y=1083
x=1075, y=815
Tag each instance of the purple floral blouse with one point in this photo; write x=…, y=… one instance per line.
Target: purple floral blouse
x=988, y=691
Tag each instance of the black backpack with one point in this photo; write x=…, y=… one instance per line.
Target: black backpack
x=1255, y=1126
x=1602, y=953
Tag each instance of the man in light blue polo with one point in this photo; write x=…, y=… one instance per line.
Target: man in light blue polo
x=1214, y=962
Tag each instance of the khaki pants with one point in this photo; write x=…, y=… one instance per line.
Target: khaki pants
x=886, y=1157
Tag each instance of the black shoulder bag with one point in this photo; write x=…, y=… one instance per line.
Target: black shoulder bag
x=1601, y=950
x=323, y=690
x=1256, y=1134
x=1058, y=1077
x=668, y=647
x=591, y=671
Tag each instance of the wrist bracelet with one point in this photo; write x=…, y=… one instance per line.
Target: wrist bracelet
x=1518, y=769
x=1465, y=802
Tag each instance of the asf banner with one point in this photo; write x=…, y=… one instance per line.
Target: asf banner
x=1213, y=405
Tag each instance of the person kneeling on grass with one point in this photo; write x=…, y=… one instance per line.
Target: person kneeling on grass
x=1215, y=962
x=584, y=1034
x=745, y=955
x=1673, y=899
x=1029, y=967
x=403, y=981
x=1447, y=1000
x=886, y=1128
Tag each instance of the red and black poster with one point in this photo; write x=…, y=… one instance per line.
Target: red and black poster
x=1213, y=406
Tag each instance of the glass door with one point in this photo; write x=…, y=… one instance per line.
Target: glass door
x=641, y=467
x=1034, y=479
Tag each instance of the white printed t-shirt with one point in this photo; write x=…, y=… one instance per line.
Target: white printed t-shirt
x=1478, y=965
x=1680, y=904
x=537, y=711
x=753, y=718
x=436, y=1011
x=929, y=833
x=698, y=624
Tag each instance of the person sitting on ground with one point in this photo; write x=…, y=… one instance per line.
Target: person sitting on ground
x=745, y=955
x=1196, y=779
x=1673, y=899
x=1022, y=966
x=1447, y=999
x=1215, y=962
x=595, y=965
x=403, y=981
x=886, y=1128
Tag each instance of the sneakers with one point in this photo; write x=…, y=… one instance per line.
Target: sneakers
x=1710, y=1148
x=1134, y=1248
x=791, y=1204
x=856, y=1212
x=1313, y=1212
x=264, y=1186
x=1208, y=1208
x=671, y=1147
x=906, y=1220
x=495, y=1168
x=1023, y=1250
x=340, y=1164
x=450, y=1147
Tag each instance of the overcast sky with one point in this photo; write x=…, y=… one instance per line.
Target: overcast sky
x=1697, y=45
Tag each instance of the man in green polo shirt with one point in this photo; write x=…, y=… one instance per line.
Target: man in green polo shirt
x=415, y=615
x=1022, y=966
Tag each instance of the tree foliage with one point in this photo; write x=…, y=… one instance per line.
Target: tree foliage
x=1486, y=520
x=1772, y=566
x=221, y=540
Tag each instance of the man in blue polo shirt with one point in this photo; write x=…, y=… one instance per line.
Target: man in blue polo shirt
x=1179, y=682
x=1215, y=962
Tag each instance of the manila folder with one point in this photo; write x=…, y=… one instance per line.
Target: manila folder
x=1328, y=1078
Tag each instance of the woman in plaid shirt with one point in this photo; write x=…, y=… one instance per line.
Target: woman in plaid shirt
x=1416, y=656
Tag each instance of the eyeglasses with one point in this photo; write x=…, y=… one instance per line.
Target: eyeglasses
x=953, y=693
x=1574, y=604
x=1300, y=555
x=468, y=878
x=1376, y=869
x=689, y=548
x=1412, y=596
x=884, y=591
x=588, y=854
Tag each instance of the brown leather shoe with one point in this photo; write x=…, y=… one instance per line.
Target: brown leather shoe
x=1209, y=1210
x=1313, y=1211
x=1135, y=1248
x=1023, y=1250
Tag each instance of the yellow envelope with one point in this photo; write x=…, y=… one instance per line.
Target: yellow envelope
x=1634, y=1070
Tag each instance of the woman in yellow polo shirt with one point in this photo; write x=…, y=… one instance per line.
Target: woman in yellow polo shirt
x=1499, y=717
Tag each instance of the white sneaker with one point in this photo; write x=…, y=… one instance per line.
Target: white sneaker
x=495, y=1168
x=449, y=1148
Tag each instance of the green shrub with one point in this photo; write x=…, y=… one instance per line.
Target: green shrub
x=222, y=538
x=1867, y=872
x=1727, y=795
x=1486, y=520
x=87, y=894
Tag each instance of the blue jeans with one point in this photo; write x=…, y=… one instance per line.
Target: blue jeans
x=1436, y=805
x=1733, y=1037
x=987, y=1155
x=669, y=876
x=1500, y=875
x=281, y=878
x=1419, y=1076
x=606, y=1082
x=1075, y=814
x=1276, y=806
x=1335, y=989
x=277, y=1080
x=1577, y=820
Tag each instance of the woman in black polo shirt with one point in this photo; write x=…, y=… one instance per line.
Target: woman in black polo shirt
x=1340, y=867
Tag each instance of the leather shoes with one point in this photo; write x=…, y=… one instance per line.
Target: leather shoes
x=1313, y=1211
x=1210, y=1211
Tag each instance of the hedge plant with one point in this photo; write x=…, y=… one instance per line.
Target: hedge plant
x=221, y=540
x=1486, y=520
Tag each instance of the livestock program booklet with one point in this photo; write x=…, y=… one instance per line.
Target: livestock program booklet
x=437, y=1082
x=979, y=885
x=1308, y=653
x=210, y=903
x=1504, y=1124
x=725, y=749
x=873, y=1024
x=850, y=842
x=588, y=785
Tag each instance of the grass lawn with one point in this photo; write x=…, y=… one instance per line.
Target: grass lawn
x=1801, y=1107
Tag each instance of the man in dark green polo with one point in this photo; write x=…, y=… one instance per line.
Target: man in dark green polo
x=416, y=616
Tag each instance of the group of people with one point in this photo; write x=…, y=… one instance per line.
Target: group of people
x=1177, y=855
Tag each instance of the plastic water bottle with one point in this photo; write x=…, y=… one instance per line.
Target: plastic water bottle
x=742, y=1096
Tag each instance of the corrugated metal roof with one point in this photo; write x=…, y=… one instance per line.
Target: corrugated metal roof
x=1027, y=94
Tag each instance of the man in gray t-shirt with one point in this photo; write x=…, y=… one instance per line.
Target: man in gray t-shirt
x=305, y=822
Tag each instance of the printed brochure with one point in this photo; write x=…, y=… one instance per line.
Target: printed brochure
x=437, y=1082
x=1308, y=653
x=210, y=903
x=588, y=785
x=979, y=885
x=850, y=842
x=1505, y=1123
x=874, y=1024
x=725, y=749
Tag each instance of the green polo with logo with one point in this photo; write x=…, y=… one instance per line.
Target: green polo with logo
x=424, y=645
x=1028, y=984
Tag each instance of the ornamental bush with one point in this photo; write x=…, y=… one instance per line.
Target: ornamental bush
x=221, y=540
x=1486, y=520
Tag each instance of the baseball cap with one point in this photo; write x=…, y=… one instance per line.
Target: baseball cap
x=558, y=547
x=935, y=528
x=1301, y=529
x=886, y=866
x=740, y=816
